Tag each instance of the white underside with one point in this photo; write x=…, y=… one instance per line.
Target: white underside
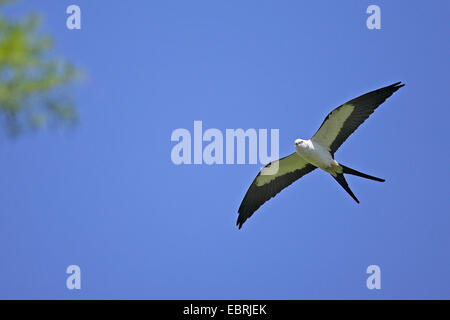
x=308, y=151
x=318, y=155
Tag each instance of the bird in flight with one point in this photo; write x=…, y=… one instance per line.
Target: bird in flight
x=317, y=152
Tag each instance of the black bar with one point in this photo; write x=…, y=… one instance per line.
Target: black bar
x=225, y=309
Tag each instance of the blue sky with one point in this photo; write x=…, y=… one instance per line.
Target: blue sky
x=106, y=196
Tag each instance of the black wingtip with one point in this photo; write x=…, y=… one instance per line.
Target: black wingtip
x=397, y=85
x=240, y=221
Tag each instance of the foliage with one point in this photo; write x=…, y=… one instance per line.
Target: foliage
x=32, y=82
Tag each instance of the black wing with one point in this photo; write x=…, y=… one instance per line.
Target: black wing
x=345, y=119
x=267, y=184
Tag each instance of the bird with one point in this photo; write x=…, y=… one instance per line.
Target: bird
x=317, y=152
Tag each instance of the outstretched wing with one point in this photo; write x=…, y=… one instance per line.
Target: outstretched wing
x=268, y=184
x=344, y=120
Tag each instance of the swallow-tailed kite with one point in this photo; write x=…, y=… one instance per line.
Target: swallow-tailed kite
x=317, y=152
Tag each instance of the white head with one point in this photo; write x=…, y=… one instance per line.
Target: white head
x=299, y=142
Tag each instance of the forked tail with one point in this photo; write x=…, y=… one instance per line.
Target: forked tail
x=359, y=174
x=341, y=180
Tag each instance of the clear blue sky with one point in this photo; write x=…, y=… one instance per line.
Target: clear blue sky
x=106, y=196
